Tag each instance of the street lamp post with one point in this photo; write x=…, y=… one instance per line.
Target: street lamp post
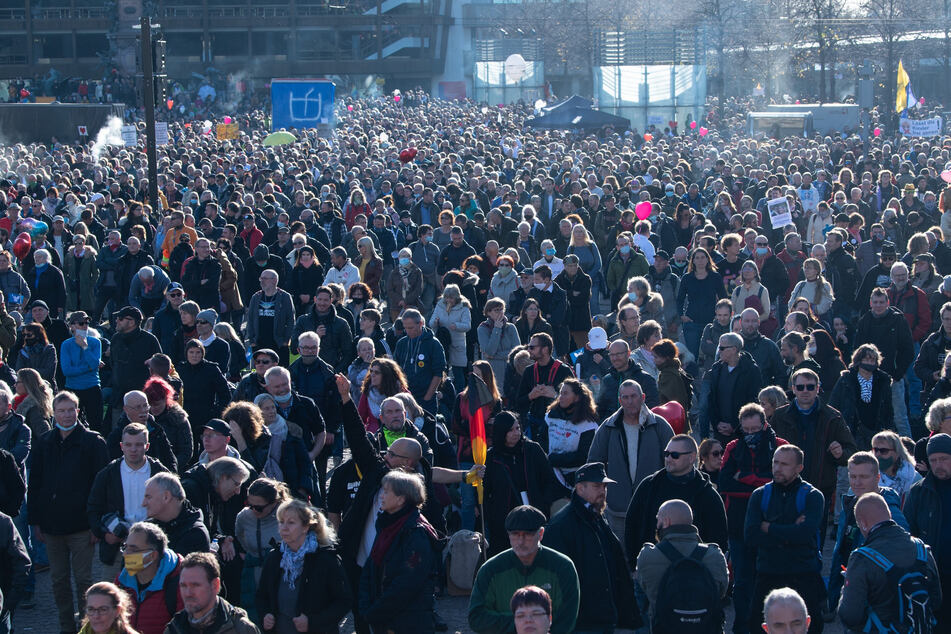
x=148, y=101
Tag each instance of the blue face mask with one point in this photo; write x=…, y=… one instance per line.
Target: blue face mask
x=625, y=250
x=283, y=400
x=404, y=261
x=549, y=252
x=762, y=250
x=61, y=428
x=670, y=193
x=632, y=297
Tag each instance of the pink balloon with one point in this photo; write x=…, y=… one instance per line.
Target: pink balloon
x=396, y=98
x=877, y=132
x=693, y=125
x=946, y=176
x=922, y=101
x=227, y=120
x=703, y=131
x=349, y=108
x=643, y=210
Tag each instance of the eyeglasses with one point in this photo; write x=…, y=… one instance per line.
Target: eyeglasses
x=202, y=321
x=725, y=347
x=260, y=508
x=176, y=294
x=676, y=455
x=106, y=609
x=808, y=387
x=263, y=361
x=392, y=453
x=882, y=450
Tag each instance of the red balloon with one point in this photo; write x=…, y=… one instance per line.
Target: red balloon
x=408, y=154
x=22, y=245
x=673, y=413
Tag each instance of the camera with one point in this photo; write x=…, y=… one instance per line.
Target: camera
x=116, y=525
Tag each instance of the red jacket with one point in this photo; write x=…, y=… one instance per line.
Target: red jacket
x=914, y=304
x=151, y=615
x=793, y=266
x=252, y=237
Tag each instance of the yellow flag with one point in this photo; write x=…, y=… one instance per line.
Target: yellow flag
x=901, y=95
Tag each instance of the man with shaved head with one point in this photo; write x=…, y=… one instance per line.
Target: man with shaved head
x=874, y=576
x=784, y=612
x=676, y=535
x=395, y=427
x=358, y=525
x=135, y=409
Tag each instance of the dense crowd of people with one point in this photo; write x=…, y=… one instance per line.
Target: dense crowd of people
x=593, y=381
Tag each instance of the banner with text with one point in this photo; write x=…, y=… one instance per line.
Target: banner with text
x=921, y=127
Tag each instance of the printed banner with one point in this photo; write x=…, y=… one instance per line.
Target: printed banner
x=921, y=127
x=779, y=212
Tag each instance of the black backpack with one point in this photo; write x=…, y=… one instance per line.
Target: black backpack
x=911, y=604
x=687, y=598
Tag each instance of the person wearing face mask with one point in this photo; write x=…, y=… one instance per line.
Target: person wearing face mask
x=862, y=395
x=747, y=464
x=553, y=305
x=876, y=573
x=868, y=253
x=548, y=259
x=624, y=264
x=64, y=464
x=405, y=286
x=149, y=576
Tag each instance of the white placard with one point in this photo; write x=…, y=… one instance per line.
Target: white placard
x=920, y=127
x=129, y=136
x=161, y=133
x=780, y=214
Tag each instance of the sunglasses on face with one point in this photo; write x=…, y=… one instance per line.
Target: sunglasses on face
x=882, y=450
x=201, y=321
x=808, y=387
x=260, y=508
x=676, y=455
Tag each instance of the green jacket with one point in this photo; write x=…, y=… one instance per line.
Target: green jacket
x=501, y=576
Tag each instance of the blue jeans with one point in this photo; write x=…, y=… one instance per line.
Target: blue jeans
x=743, y=559
x=692, y=333
x=468, y=499
x=899, y=409
x=595, y=294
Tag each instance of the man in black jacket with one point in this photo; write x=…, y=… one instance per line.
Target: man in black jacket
x=336, y=336
x=297, y=408
x=678, y=480
x=886, y=327
x=62, y=467
x=167, y=324
x=782, y=524
x=735, y=380
x=624, y=368
x=131, y=348
x=106, y=508
x=580, y=532
x=135, y=409
x=929, y=515
x=165, y=505
x=842, y=272
x=201, y=276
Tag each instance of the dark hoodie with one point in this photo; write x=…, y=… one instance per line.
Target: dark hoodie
x=187, y=532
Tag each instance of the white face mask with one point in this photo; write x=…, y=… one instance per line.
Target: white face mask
x=540, y=286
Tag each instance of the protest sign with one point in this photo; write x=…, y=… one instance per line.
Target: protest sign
x=921, y=127
x=780, y=214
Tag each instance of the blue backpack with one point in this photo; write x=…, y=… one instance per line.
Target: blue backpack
x=911, y=602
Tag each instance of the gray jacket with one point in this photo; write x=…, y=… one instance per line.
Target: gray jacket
x=283, y=317
x=610, y=447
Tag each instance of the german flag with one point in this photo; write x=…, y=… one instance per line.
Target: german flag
x=478, y=398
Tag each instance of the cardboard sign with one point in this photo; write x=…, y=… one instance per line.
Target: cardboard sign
x=83, y=131
x=227, y=131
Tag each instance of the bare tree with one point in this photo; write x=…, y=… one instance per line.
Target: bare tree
x=819, y=22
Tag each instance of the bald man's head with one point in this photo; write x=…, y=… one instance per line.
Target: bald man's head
x=404, y=452
x=870, y=510
x=674, y=512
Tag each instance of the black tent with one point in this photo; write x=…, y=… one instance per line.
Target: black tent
x=576, y=113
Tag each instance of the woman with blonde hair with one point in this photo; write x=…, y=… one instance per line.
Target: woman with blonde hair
x=303, y=586
x=814, y=288
x=771, y=398
x=896, y=464
x=589, y=259
x=33, y=401
x=108, y=610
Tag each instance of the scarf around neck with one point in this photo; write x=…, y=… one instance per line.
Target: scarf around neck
x=292, y=563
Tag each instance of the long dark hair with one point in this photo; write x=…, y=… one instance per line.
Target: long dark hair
x=38, y=331
x=584, y=409
x=394, y=380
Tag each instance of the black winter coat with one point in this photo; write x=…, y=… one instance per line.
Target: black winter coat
x=892, y=335
x=324, y=594
x=578, y=292
x=336, y=345
x=62, y=472
x=207, y=294
x=398, y=595
x=218, y=514
x=749, y=381
x=846, y=396
x=205, y=390
x=585, y=537
x=187, y=532
x=167, y=328
x=709, y=516
x=50, y=287
x=12, y=486
x=128, y=354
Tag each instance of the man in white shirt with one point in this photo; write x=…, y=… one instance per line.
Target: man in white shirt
x=642, y=232
x=115, y=500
